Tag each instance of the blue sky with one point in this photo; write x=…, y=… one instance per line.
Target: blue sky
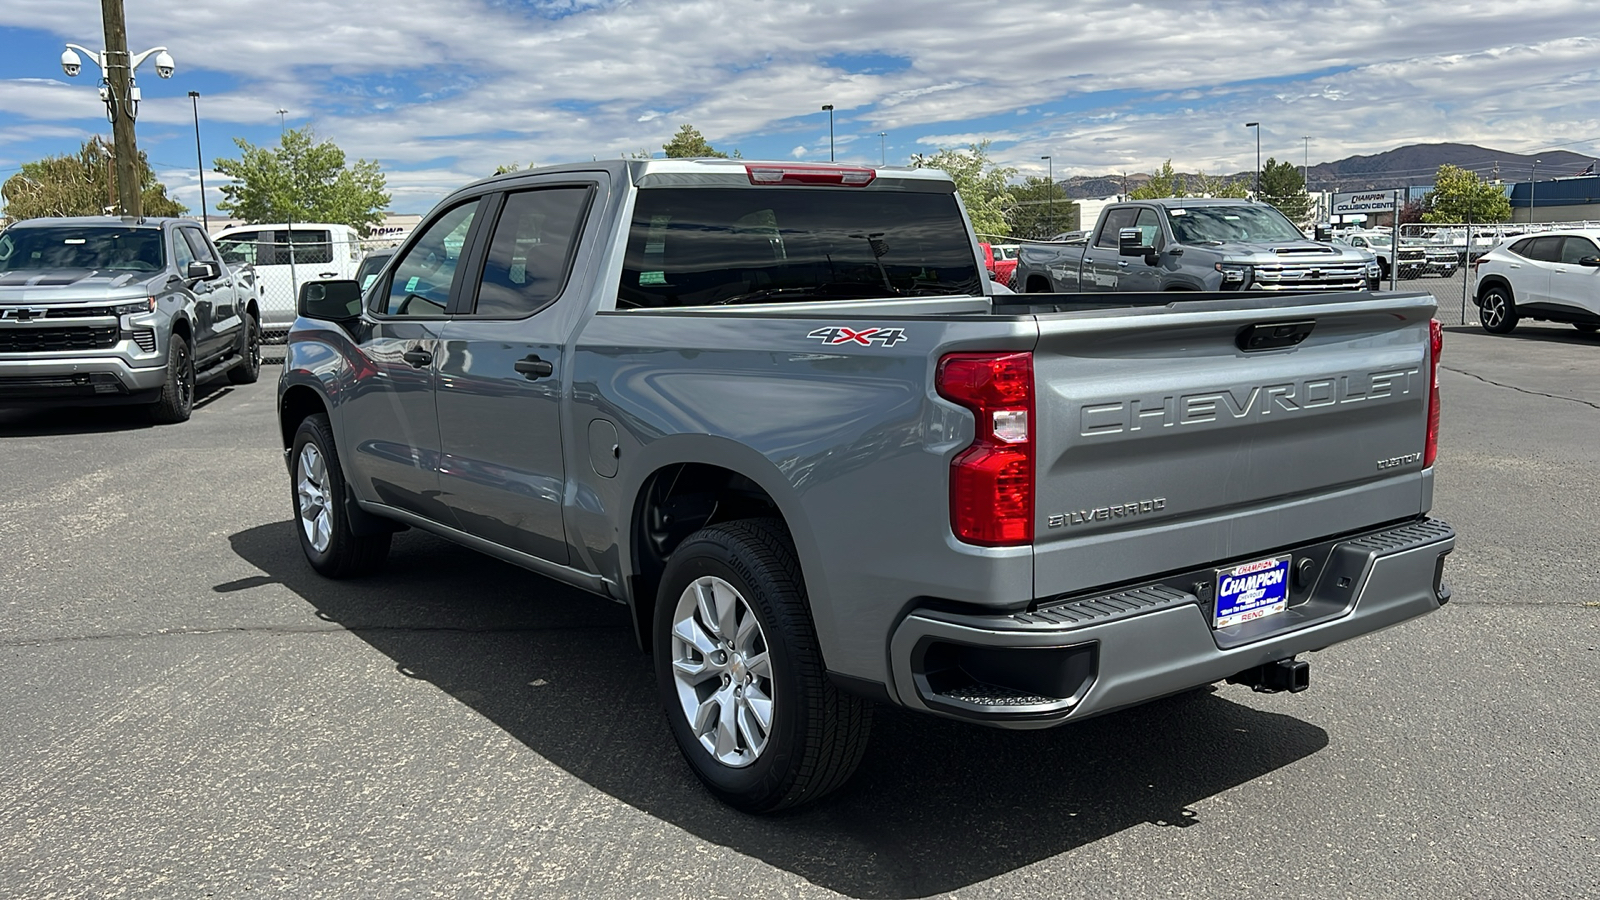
x=441, y=91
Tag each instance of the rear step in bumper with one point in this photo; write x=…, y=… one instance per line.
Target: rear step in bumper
x=1093, y=655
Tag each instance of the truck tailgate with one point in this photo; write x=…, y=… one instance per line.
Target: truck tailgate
x=1161, y=444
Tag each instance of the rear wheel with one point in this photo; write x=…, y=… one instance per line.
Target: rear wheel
x=1498, y=312
x=741, y=676
x=176, y=401
x=318, y=488
x=248, y=371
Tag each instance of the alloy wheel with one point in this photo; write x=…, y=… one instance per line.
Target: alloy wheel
x=1494, y=309
x=723, y=671
x=311, y=487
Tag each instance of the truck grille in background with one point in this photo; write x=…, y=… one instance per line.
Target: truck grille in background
x=80, y=312
x=35, y=340
x=146, y=339
x=1304, y=277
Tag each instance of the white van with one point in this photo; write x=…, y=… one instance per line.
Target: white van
x=287, y=256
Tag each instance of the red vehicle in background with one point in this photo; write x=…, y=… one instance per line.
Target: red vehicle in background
x=1005, y=262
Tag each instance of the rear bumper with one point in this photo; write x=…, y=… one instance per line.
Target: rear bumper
x=78, y=380
x=1074, y=658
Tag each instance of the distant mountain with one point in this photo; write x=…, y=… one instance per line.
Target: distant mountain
x=1412, y=165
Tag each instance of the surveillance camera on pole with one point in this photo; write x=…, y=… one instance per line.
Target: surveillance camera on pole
x=121, y=95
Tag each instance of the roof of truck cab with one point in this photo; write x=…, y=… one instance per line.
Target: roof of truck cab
x=1185, y=202
x=100, y=221
x=638, y=168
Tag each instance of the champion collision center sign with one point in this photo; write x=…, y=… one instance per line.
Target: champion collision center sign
x=1363, y=202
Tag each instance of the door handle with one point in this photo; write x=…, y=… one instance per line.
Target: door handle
x=533, y=368
x=1122, y=264
x=417, y=357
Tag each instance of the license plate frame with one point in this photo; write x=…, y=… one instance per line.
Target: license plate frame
x=1250, y=591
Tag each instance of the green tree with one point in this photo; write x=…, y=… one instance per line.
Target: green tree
x=981, y=184
x=1458, y=193
x=689, y=143
x=1220, y=186
x=1164, y=183
x=302, y=181
x=80, y=185
x=1039, y=210
x=1282, y=186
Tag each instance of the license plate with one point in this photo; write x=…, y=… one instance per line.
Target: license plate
x=1252, y=591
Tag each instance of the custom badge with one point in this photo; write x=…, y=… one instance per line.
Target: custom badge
x=834, y=335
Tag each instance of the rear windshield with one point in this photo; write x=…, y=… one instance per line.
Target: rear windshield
x=82, y=247
x=711, y=246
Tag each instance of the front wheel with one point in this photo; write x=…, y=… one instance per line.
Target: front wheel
x=318, y=490
x=741, y=676
x=176, y=401
x=1498, y=312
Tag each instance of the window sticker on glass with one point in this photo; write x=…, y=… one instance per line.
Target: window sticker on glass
x=652, y=278
x=411, y=283
x=367, y=281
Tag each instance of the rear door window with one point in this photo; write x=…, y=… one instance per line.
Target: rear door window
x=714, y=246
x=1543, y=249
x=530, y=254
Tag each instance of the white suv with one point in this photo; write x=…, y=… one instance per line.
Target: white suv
x=1549, y=277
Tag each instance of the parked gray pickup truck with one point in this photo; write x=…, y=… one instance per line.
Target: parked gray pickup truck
x=1187, y=244
x=102, y=310
x=770, y=408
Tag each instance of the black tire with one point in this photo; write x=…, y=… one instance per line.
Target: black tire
x=346, y=555
x=1586, y=327
x=1383, y=270
x=249, y=371
x=176, y=401
x=1497, y=311
x=818, y=733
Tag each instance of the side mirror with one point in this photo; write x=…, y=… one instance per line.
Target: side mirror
x=1130, y=242
x=201, y=270
x=331, y=301
x=1592, y=262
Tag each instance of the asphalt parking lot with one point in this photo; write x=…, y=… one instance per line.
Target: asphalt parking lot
x=191, y=712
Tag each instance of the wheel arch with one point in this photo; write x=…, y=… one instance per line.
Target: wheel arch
x=298, y=403
x=1489, y=281
x=687, y=486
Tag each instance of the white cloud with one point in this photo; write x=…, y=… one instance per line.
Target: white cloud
x=444, y=90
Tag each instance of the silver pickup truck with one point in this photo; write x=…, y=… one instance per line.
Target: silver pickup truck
x=1188, y=244
x=770, y=408
x=101, y=310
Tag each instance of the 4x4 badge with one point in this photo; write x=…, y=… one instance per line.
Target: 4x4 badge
x=866, y=337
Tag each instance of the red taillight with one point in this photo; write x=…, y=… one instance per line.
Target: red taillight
x=1430, y=450
x=845, y=176
x=991, y=482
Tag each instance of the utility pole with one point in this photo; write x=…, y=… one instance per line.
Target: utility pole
x=1050, y=185
x=119, y=78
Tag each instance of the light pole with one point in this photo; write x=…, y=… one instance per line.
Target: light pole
x=828, y=108
x=1050, y=188
x=120, y=95
x=1533, y=182
x=281, y=121
x=883, y=147
x=200, y=159
x=1257, y=127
